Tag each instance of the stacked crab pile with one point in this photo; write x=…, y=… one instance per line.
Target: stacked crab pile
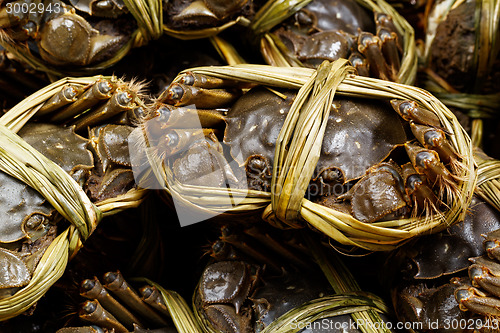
x=318, y=134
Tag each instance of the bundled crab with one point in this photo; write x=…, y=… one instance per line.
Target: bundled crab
x=69, y=36
x=371, y=34
x=364, y=183
x=50, y=174
x=255, y=282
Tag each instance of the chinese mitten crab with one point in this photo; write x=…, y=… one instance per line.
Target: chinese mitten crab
x=66, y=34
x=256, y=276
x=422, y=291
x=329, y=30
x=373, y=163
x=44, y=152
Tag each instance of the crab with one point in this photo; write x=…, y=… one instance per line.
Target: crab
x=255, y=275
x=29, y=222
x=429, y=290
x=364, y=168
x=480, y=295
x=330, y=29
x=242, y=288
x=63, y=37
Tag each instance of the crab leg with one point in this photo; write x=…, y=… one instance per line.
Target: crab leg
x=152, y=296
x=180, y=94
x=93, y=289
x=485, y=273
x=167, y=115
x=121, y=101
x=390, y=49
x=418, y=189
x=427, y=161
x=117, y=284
x=100, y=90
x=359, y=62
x=68, y=94
x=371, y=47
x=384, y=21
x=492, y=244
x=434, y=138
x=409, y=110
x=470, y=298
x=204, y=81
x=93, y=312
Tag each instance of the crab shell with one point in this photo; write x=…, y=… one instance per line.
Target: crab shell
x=24, y=210
x=457, y=244
x=356, y=137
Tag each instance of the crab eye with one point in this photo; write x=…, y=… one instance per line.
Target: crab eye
x=218, y=246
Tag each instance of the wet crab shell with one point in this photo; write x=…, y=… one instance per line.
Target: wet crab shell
x=356, y=136
x=23, y=209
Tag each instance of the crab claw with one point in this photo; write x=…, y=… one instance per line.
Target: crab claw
x=180, y=94
x=427, y=161
x=492, y=244
x=379, y=194
x=371, y=47
x=409, y=110
x=472, y=299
